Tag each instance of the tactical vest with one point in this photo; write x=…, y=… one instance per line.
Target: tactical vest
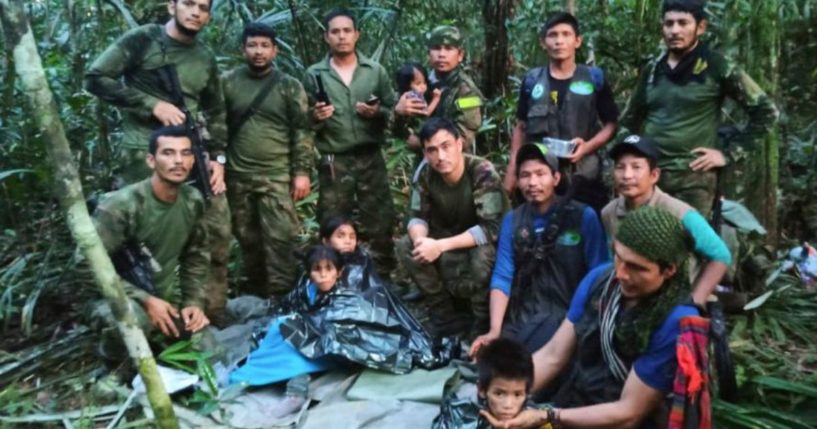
x=591, y=381
x=549, y=266
x=577, y=116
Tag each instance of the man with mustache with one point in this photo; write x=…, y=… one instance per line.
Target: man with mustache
x=455, y=210
x=677, y=102
x=349, y=119
x=164, y=216
x=546, y=246
x=461, y=100
x=125, y=75
x=269, y=161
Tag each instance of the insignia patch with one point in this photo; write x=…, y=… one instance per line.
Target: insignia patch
x=468, y=102
x=524, y=233
x=538, y=91
x=582, y=87
x=569, y=238
x=700, y=66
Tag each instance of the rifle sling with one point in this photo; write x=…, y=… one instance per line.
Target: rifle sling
x=256, y=103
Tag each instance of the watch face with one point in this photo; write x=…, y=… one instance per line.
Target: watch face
x=221, y=159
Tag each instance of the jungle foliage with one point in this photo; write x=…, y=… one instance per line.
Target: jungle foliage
x=45, y=285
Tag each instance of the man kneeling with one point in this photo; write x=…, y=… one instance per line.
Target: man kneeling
x=620, y=332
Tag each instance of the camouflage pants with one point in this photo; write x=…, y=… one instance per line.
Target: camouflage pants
x=217, y=222
x=695, y=188
x=457, y=275
x=360, y=180
x=266, y=226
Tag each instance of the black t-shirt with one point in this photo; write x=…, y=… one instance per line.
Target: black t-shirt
x=605, y=102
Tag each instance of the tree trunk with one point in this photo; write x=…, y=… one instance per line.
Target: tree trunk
x=28, y=65
x=760, y=52
x=496, y=60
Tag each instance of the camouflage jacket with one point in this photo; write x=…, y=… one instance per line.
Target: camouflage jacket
x=475, y=204
x=461, y=102
x=125, y=76
x=681, y=115
x=172, y=232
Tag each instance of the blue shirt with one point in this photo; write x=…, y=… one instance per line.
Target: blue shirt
x=657, y=365
x=592, y=233
x=707, y=242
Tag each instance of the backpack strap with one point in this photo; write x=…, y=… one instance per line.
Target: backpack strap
x=262, y=95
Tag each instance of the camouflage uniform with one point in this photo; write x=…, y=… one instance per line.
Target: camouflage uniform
x=124, y=75
x=352, y=173
x=474, y=205
x=683, y=112
x=174, y=234
x=461, y=101
x=269, y=149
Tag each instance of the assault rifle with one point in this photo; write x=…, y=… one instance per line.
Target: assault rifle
x=135, y=264
x=201, y=171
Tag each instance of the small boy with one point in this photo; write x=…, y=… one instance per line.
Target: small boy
x=505, y=371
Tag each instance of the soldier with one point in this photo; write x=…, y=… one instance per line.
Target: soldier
x=546, y=246
x=125, y=75
x=456, y=207
x=461, y=100
x=165, y=216
x=349, y=119
x=269, y=161
x=566, y=101
x=636, y=173
x=677, y=102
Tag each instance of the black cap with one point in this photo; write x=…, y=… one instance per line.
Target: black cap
x=637, y=145
x=539, y=152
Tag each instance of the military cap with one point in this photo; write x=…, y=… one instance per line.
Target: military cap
x=445, y=35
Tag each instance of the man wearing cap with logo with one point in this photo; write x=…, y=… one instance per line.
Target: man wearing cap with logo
x=456, y=206
x=677, y=102
x=566, y=101
x=546, y=246
x=620, y=333
x=636, y=176
x=461, y=100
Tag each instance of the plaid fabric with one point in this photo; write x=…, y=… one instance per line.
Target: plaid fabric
x=691, y=402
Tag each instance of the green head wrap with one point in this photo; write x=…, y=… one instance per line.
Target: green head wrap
x=658, y=236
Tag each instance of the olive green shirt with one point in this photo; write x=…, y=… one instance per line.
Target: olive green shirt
x=124, y=75
x=345, y=130
x=683, y=117
x=276, y=140
x=476, y=203
x=172, y=232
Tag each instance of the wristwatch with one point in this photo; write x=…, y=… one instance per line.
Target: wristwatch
x=221, y=159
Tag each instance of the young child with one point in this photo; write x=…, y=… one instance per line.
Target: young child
x=276, y=359
x=505, y=370
x=505, y=376
x=413, y=77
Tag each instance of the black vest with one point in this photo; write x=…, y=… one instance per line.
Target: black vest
x=576, y=118
x=549, y=266
x=591, y=381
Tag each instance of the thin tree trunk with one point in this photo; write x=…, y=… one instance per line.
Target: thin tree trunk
x=762, y=170
x=28, y=65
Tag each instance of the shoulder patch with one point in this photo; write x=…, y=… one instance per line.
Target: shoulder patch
x=465, y=103
x=569, y=238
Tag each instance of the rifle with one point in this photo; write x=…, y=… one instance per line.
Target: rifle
x=320, y=94
x=135, y=264
x=170, y=80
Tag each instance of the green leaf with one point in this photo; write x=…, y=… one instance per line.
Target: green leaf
x=757, y=302
x=20, y=171
x=786, y=385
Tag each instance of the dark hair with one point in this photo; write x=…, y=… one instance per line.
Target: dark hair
x=560, y=18
x=434, y=125
x=209, y=4
x=172, y=131
x=334, y=13
x=333, y=222
x=322, y=252
x=405, y=75
x=504, y=358
x=692, y=7
x=258, y=29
